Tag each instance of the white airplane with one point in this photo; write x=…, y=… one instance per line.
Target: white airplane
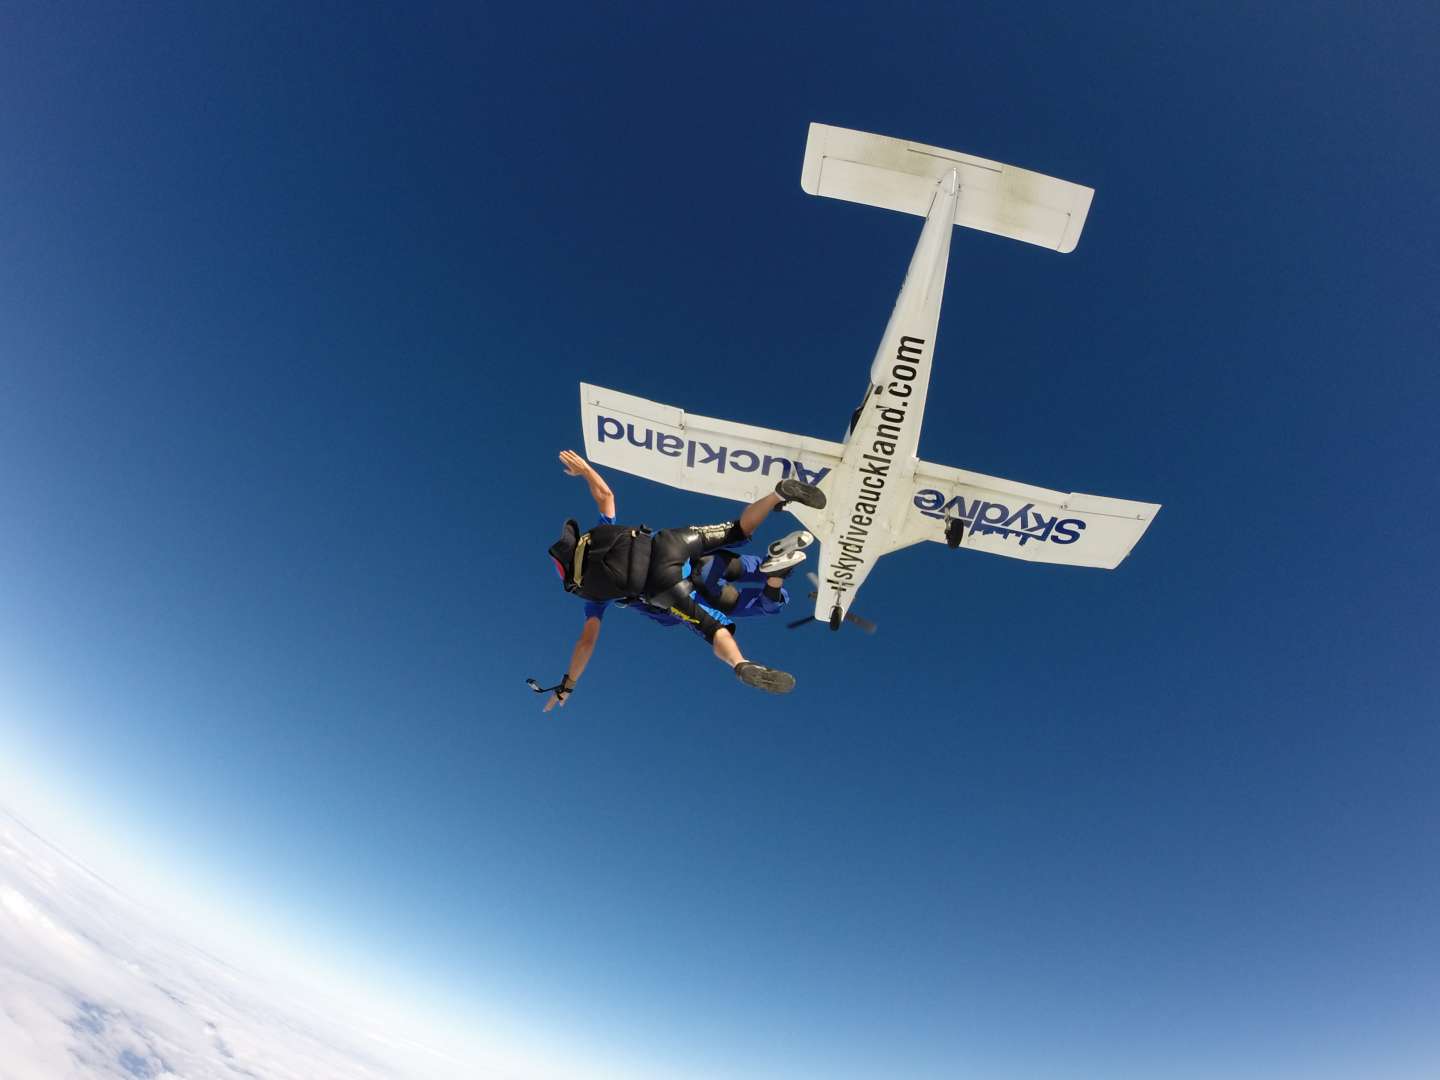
x=881, y=496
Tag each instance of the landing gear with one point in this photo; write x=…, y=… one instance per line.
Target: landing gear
x=954, y=532
x=835, y=617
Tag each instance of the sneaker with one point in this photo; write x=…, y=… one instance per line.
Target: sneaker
x=792, y=490
x=791, y=542
x=779, y=564
x=764, y=678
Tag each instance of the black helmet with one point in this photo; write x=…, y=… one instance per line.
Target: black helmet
x=562, y=553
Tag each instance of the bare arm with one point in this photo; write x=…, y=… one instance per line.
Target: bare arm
x=578, y=659
x=600, y=491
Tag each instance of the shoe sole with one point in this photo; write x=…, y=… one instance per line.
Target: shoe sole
x=776, y=563
x=792, y=490
x=796, y=541
x=763, y=678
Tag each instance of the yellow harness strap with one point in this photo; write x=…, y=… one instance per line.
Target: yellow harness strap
x=577, y=561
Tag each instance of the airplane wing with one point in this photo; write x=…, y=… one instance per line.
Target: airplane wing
x=1023, y=522
x=698, y=453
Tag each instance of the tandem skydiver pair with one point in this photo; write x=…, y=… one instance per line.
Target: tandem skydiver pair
x=687, y=576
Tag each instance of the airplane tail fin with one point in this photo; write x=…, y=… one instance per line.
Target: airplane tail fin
x=899, y=175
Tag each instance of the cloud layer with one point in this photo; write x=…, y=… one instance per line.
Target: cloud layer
x=92, y=985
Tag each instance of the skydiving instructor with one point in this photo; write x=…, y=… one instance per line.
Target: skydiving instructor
x=630, y=565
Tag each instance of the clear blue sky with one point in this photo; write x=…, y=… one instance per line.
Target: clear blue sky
x=293, y=306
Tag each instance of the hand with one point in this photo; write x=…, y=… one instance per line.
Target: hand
x=574, y=464
x=562, y=692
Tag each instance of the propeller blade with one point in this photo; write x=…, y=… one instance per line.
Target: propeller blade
x=800, y=622
x=861, y=622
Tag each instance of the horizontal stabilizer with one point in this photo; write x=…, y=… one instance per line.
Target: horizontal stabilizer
x=1021, y=521
x=899, y=175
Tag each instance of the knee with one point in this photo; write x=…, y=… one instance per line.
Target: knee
x=673, y=595
x=727, y=599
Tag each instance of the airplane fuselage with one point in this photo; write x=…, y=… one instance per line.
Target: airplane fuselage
x=870, y=491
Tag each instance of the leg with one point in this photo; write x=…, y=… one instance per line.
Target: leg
x=745, y=570
x=735, y=585
x=785, y=491
x=680, y=601
x=756, y=675
x=768, y=600
x=716, y=628
x=757, y=512
x=706, y=538
x=726, y=651
x=717, y=568
x=702, y=540
x=712, y=577
x=724, y=599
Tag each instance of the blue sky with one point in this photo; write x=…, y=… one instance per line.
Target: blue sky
x=293, y=306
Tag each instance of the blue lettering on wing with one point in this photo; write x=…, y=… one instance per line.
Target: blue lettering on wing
x=985, y=518
x=698, y=453
x=714, y=455
x=809, y=476
x=784, y=464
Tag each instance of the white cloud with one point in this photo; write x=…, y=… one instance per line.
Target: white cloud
x=68, y=936
x=93, y=985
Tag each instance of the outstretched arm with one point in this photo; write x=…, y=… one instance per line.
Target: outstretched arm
x=578, y=659
x=575, y=465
